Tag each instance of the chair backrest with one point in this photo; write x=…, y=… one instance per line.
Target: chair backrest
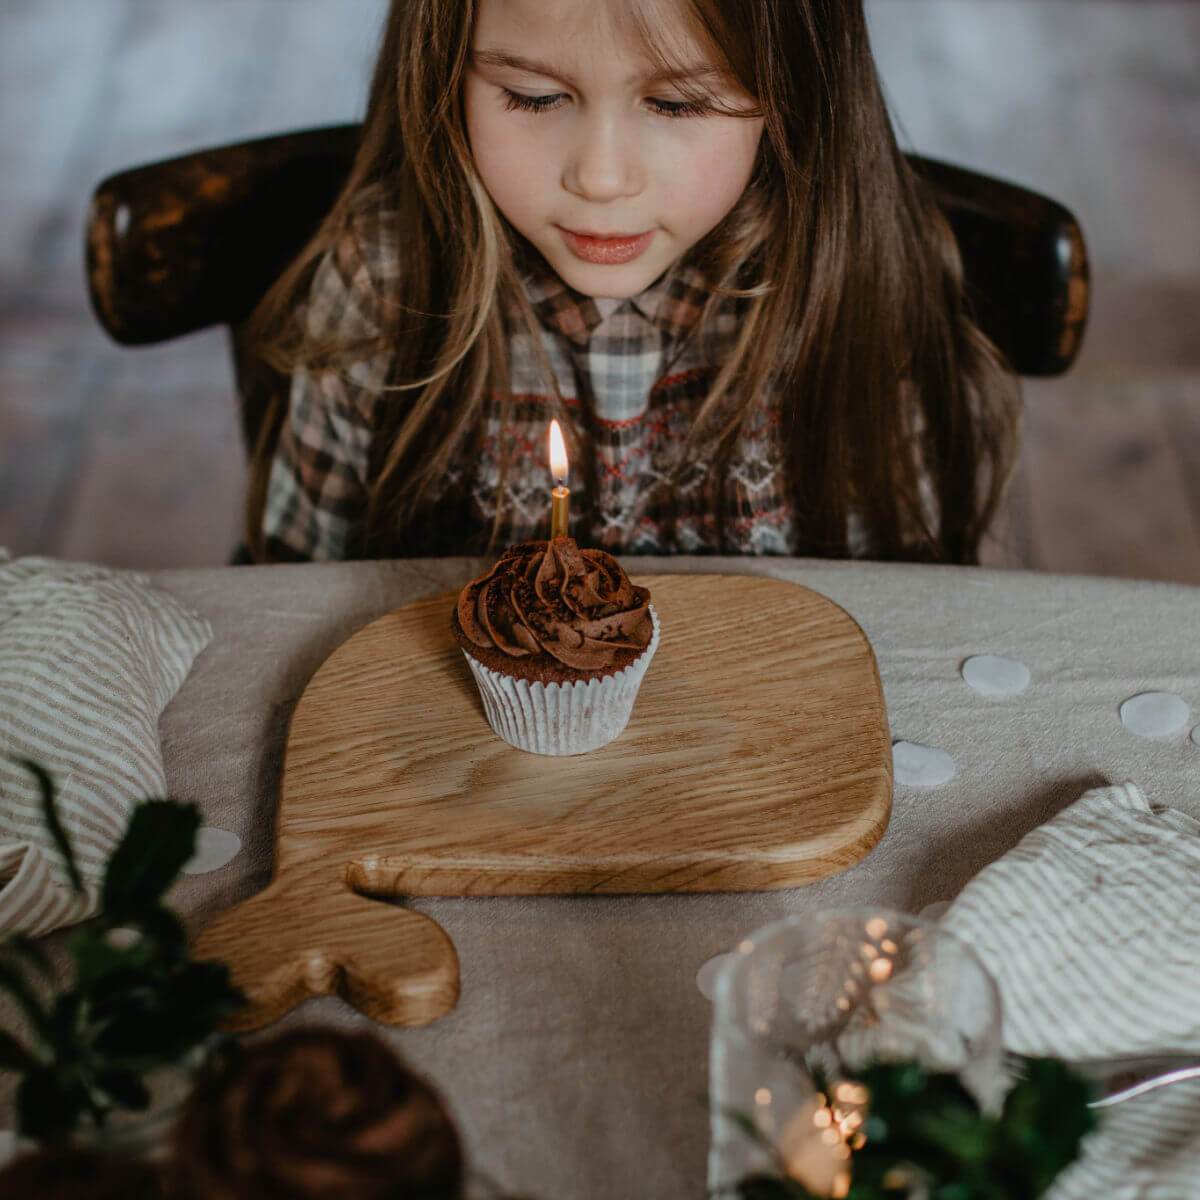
x=195, y=241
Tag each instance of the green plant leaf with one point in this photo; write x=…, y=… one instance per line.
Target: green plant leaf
x=50, y=816
x=131, y=1008
x=62, y=1027
x=17, y=986
x=26, y=948
x=159, y=839
x=161, y=943
x=926, y=1134
x=14, y=1056
x=151, y=1020
x=963, y=1134
x=96, y=959
x=125, y=1087
x=1045, y=1119
x=48, y=1105
x=165, y=931
x=957, y=1191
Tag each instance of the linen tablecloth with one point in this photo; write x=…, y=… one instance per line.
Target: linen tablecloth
x=576, y=1060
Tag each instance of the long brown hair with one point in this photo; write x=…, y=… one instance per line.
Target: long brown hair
x=857, y=318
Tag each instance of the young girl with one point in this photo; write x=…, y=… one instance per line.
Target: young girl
x=781, y=363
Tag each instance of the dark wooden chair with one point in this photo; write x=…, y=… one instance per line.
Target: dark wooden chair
x=180, y=245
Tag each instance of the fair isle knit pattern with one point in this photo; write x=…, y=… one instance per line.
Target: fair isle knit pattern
x=630, y=375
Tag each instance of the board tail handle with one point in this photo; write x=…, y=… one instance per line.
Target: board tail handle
x=289, y=942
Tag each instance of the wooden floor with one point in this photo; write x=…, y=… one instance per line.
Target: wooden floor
x=132, y=457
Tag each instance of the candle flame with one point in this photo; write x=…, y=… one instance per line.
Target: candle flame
x=558, y=454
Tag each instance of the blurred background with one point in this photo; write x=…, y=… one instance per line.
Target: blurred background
x=132, y=457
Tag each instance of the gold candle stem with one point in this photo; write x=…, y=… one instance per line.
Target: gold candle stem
x=560, y=500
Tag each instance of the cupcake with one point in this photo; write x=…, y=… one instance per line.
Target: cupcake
x=558, y=640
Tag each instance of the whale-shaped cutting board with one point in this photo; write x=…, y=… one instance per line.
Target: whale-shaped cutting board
x=758, y=756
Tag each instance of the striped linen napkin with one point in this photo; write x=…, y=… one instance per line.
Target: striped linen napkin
x=1091, y=928
x=89, y=658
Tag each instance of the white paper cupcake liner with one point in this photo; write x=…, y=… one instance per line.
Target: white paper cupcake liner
x=562, y=718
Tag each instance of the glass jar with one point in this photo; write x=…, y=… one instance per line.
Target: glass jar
x=824, y=994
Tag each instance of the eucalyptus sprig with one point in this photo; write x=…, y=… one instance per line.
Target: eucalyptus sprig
x=137, y=1000
x=925, y=1136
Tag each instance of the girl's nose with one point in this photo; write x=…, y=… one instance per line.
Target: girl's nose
x=605, y=161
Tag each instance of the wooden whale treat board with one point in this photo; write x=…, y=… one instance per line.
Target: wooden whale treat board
x=758, y=756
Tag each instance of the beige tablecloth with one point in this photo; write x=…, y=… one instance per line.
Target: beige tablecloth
x=576, y=1060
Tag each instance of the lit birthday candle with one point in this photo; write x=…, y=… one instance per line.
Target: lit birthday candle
x=560, y=496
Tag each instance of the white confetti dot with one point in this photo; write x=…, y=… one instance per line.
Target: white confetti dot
x=921, y=766
x=992, y=675
x=214, y=848
x=1196, y=735
x=122, y=938
x=1154, y=714
x=706, y=977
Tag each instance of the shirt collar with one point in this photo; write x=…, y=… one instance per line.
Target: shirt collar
x=673, y=302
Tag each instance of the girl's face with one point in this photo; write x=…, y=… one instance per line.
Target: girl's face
x=600, y=154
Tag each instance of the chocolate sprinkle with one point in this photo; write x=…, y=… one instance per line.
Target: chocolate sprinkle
x=533, y=595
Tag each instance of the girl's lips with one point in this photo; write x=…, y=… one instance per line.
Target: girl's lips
x=606, y=251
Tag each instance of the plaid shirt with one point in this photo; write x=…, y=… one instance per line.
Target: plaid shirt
x=628, y=373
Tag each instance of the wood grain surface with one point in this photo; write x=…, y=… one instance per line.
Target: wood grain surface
x=758, y=756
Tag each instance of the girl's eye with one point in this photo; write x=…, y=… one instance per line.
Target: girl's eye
x=665, y=108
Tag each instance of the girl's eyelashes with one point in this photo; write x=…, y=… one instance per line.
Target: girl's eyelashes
x=665, y=108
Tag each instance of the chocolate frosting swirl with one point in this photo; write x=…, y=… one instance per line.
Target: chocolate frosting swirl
x=314, y=1114
x=578, y=606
